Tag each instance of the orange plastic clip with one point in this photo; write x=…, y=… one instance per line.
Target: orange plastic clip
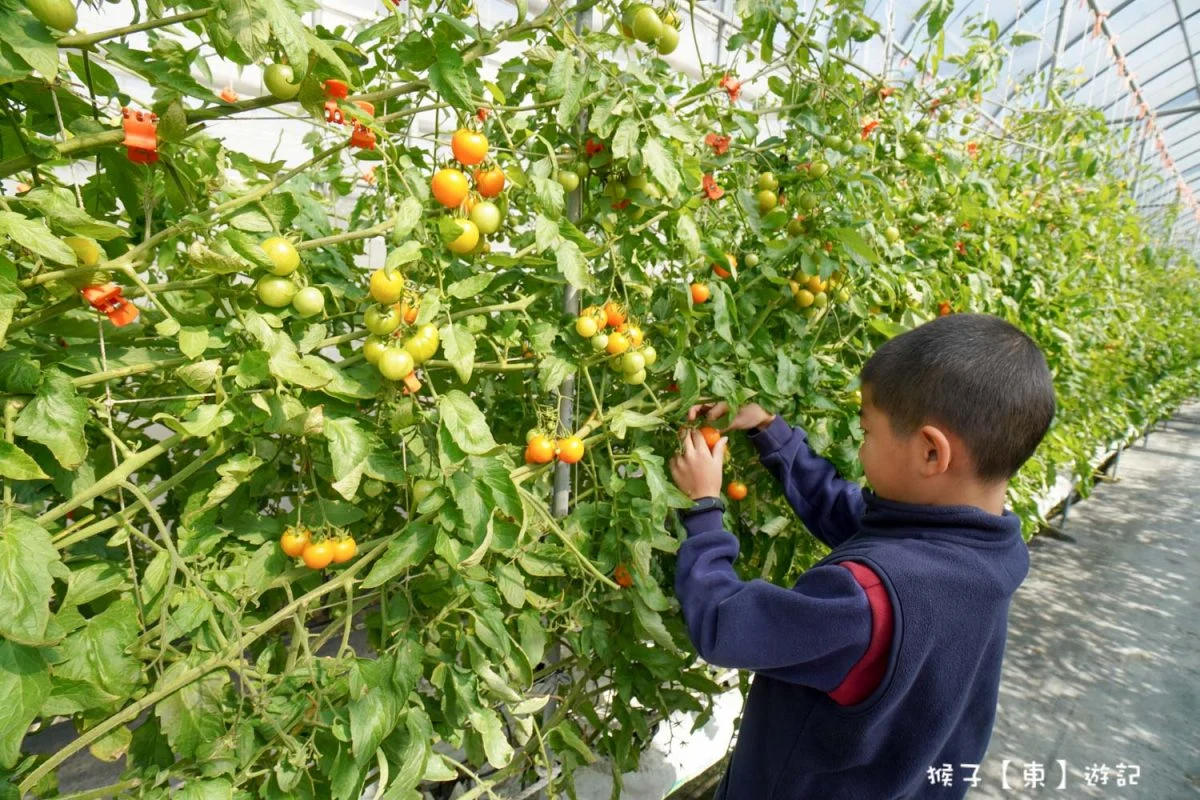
x=335, y=90
x=141, y=136
x=107, y=299
x=411, y=384
x=363, y=136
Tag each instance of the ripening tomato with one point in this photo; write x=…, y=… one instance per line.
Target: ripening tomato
x=309, y=301
x=396, y=364
x=373, y=349
x=737, y=490
x=489, y=182
x=622, y=577
x=344, y=550
x=409, y=310
x=711, y=436
x=294, y=540
x=381, y=320
x=466, y=240
x=636, y=337
x=386, y=285
x=87, y=251
x=814, y=284
x=570, y=449
x=700, y=293
x=317, y=555
x=540, y=450
x=614, y=315
x=586, y=327
x=275, y=291
x=486, y=216
x=282, y=254
x=469, y=147
x=617, y=343
x=450, y=187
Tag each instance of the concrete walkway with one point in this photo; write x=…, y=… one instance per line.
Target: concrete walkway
x=1102, y=666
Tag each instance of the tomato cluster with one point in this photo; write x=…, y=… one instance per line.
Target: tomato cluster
x=474, y=219
x=646, y=24
x=317, y=553
x=542, y=449
x=279, y=289
x=629, y=353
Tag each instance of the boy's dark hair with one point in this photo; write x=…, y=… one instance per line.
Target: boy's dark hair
x=976, y=374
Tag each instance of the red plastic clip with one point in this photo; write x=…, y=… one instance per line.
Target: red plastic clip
x=335, y=90
x=107, y=299
x=141, y=136
x=363, y=136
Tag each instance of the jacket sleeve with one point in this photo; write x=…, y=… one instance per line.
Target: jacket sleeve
x=811, y=634
x=829, y=505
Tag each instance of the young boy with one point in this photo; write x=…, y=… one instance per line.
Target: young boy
x=884, y=659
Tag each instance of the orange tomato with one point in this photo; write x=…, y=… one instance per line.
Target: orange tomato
x=344, y=550
x=540, y=450
x=489, y=182
x=737, y=490
x=622, y=577
x=294, y=541
x=614, y=314
x=317, y=555
x=449, y=187
x=700, y=293
x=711, y=436
x=636, y=337
x=469, y=147
x=408, y=311
x=617, y=343
x=570, y=449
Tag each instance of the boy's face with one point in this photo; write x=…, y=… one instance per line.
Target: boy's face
x=885, y=456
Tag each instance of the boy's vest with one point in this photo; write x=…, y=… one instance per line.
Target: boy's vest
x=950, y=572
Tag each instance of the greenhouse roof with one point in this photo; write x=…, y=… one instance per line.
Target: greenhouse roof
x=1135, y=59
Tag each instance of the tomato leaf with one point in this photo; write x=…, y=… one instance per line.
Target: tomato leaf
x=409, y=546
x=552, y=371
x=568, y=109
x=349, y=448
x=290, y=33
x=459, y=346
x=857, y=246
x=373, y=705
x=56, y=418
x=625, y=140
x=572, y=265
x=465, y=423
x=688, y=234
x=35, y=236
x=549, y=194
x=887, y=327
x=17, y=465
x=561, y=75
x=58, y=205
x=495, y=742
x=448, y=77
x=661, y=165
x=28, y=563
x=192, y=716
x=25, y=684
x=31, y=41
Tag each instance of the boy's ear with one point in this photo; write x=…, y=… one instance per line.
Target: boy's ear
x=935, y=451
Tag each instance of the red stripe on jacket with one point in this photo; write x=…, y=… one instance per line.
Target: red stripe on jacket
x=865, y=676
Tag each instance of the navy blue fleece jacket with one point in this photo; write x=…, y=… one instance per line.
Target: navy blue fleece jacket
x=949, y=571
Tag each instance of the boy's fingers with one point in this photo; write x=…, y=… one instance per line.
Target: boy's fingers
x=718, y=451
x=718, y=410
x=688, y=446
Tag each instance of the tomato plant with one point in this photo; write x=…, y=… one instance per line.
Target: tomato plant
x=332, y=354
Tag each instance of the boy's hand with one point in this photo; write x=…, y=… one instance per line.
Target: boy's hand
x=697, y=470
x=749, y=416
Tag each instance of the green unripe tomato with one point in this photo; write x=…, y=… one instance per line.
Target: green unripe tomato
x=639, y=182
x=750, y=259
x=57, y=14
x=615, y=190
x=278, y=79
x=381, y=320
x=819, y=169
x=486, y=216
x=767, y=200
x=275, y=291
x=373, y=348
x=309, y=301
x=422, y=489
x=650, y=355
x=820, y=300
x=809, y=201
x=768, y=182
x=396, y=364
x=795, y=227
x=568, y=180
x=600, y=342
x=892, y=234
x=647, y=25
x=668, y=41
x=632, y=362
x=944, y=116
x=282, y=254
x=636, y=379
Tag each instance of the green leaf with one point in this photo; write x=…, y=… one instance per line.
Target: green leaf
x=206, y=789
x=495, y=742
x=448, y=78
x=549, y=194
x=573, y=265
x=35, y=236
x=562, y=74
x=472, y=286
x=31, y=41
x=17, y=465
x=410, y=547
x=55, y=418
x=459, y=346
x=201, y=421
x=96, y=653
x=193, y=341
x=858, y=247
x=58, y=205
x=349, y=449
x=661, y=165
x=290, y=33
x=194, y=715
x=937, y=12
x=568, y=109
x=623, y=419
x=552, y=371
x=406, y=253
x=407, y=217
x=625, y=140
x=373, y=706
x=688, y=234
x=24, y=685
x=465, y=423
x=887, y=327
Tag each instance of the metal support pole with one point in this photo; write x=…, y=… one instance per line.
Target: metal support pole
x=1066, y=512
x=1137, y=175
x=1059, y=40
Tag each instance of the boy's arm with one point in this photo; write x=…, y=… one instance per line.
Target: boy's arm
x=812, y=634
x=829, y=505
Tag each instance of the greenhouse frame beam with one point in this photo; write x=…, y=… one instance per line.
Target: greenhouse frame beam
x=1080, y=37
x=1159, y=114
x=1136, y=49
x=1187, y=42
x=1060, y=38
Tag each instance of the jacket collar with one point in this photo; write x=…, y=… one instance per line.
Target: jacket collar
x=893, y=518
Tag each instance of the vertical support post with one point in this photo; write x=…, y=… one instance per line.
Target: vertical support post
x=1116, y=465
x=1067, y=507
x=1141, y=159
x=1059, y=40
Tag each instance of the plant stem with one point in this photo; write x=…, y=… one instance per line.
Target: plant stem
x=84, y=41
